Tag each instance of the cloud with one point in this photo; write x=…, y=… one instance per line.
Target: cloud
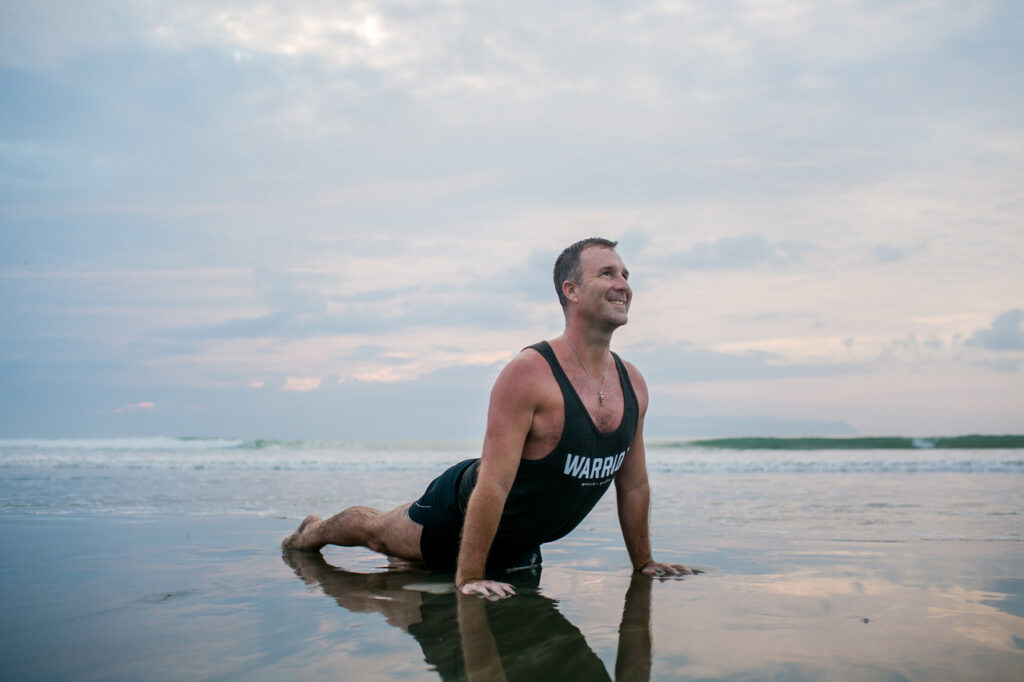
x=686, y=363
x=662, y=426
x=301, y=384
x=144, y=406
x=246, y=191
x=342, y=36
x=1006, y=333
x=887, y=253
x=421, y=310
x=303, y=306
x=530, y=280
x=737, y=253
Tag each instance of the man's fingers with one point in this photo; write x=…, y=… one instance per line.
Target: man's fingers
x=658, y=570
x=487, y=588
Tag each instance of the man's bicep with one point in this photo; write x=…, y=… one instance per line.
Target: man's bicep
x=634, y=467
x=639, y=388
x=509, y=419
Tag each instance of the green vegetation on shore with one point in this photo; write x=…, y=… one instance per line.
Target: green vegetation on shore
x=974, y=442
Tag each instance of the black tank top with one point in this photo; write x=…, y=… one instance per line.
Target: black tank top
x=551, y=495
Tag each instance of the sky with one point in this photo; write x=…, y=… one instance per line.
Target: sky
x=312, y=219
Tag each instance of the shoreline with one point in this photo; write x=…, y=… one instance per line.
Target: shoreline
x=200, y=596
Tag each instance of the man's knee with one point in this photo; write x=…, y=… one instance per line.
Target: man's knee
x=396, y=534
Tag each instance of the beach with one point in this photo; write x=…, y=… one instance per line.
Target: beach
x=160, y=559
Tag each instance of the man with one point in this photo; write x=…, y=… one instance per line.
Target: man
x=559, y=432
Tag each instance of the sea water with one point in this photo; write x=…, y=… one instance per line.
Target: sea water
x=844, y=559
x=836, y=489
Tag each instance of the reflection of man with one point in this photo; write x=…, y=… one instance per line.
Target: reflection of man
x=559, y=432
x=465, y=638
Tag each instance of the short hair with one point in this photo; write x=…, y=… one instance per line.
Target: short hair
x=567, y=266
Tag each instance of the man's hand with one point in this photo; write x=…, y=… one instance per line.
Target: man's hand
x=491, y=589
x=660, y=570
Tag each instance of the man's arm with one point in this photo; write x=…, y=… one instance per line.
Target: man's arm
x=514, y=402
x=479, y=648
x=633, y=660
x=633, y=496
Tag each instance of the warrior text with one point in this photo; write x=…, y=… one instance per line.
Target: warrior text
x=597, y=467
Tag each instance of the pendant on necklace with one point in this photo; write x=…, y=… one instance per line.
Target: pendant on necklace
x=601, y=397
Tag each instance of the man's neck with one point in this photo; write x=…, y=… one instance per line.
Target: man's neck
x=592, y=345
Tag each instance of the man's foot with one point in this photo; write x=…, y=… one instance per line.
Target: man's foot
x=304, y=535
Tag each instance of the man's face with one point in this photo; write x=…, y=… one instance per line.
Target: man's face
x=604, y=293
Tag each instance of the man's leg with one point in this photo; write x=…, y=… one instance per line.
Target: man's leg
x=392, y=533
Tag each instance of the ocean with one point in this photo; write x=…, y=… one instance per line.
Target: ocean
x=843, y=488
x=834, y=559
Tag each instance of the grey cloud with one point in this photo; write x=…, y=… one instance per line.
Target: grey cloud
x=663, y=426
x=286, y=324
x=424, y=309
x=375, y=296
x=281, y=290
x=529, y=280
x=1006, y=365
x=887, y=253
x=479, y=311
x=814, y=319
x=687, y=363
x=296, y=311
x=124, y=150
x=346, y=410
x=1006, y=333
x=631, y=242
x=736, y=253
x=373, y=352
x=500, y=301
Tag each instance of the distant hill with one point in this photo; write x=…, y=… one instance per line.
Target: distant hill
x=672, y=427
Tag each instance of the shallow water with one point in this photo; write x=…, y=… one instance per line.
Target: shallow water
x=831, y=494
x=208, y=598
x=161, y=562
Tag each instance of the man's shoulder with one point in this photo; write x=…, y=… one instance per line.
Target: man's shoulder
x=528, y=363
x=526, y=375
x=637, y=380
x=631, y=368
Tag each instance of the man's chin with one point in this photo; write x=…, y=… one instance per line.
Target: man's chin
x=616, y=321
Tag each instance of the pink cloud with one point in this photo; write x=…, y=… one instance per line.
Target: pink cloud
x=144, y=406
x=301, y=384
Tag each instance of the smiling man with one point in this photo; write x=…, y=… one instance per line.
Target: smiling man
x=565, y=421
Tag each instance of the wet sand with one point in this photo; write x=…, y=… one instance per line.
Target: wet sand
x=199, y=597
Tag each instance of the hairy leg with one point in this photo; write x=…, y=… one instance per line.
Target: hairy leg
x=301, y=538
x=392, y=533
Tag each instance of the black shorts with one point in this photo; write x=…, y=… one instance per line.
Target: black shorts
x=438, y=512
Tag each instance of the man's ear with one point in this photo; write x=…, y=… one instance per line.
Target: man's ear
x=569, y=290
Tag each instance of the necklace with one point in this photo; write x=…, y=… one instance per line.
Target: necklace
x=604, y=377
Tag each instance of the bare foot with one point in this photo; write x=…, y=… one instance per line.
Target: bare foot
x=302, y=538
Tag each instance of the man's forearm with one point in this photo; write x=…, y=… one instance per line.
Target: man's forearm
x=479, y=648
x=482, y=517
x=634, y=518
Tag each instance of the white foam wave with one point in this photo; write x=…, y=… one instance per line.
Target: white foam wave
x=228, y=455
x=102, y=444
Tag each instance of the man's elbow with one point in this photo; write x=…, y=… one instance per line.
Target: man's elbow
x=631, y=485
x=489, y=494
